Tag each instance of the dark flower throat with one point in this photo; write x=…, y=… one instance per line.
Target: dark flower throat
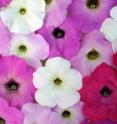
x=12, y=85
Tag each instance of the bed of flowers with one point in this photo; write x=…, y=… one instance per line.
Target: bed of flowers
x=58, y=61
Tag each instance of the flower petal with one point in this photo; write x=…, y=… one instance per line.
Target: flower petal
x=46, y=97
x=109, y=29
x=113, y=12
x=67, y=99
x=73, y=79
x=57, y=64
x=41, y=78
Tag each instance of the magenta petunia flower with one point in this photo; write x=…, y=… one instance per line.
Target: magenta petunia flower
x=89, y=14
x=16, y=81
x=4, y=2
x=56, y=12
x=94, y=51
x=64, y=40
x=9, y=115
x=99, y=94
x=5, y=37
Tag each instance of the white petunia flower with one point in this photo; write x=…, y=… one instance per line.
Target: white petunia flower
x=32, y=48
x=23, y=16
x=109, y=28
x=57, y=83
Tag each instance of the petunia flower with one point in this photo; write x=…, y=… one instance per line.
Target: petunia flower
x=32, y=48
x=57, y=83
x=35, y=114
x=64, y=40
x=44, y=115
x=89, y=14
x=92, y=53
x=99, y=94
x=5, y=37
x=56, y=12
x=109, y=28
x=9, y=115
x=23, y=16
x=16, y=81
x=71, y=115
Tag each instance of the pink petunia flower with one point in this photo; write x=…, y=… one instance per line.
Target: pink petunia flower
x=16, y=81
x=32, y=48
x=94, y=51
x=71, y=115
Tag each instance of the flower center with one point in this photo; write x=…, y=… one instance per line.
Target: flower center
x=66, y=114
x=92, y=4
x=105, y=91
x=22, y=48
x=58, y=33
x=48, y=1
x=93, y=55
x=12, y=85
x=2, y=121
x=22, y=11
x=57, y=81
